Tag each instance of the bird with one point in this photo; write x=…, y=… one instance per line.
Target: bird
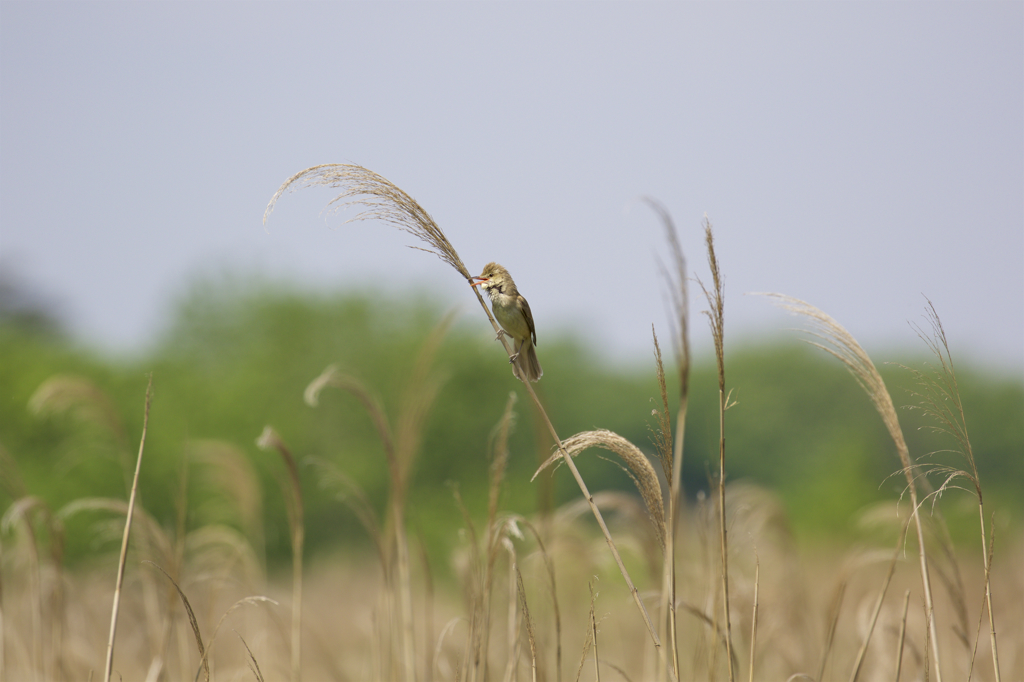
x=513, y=314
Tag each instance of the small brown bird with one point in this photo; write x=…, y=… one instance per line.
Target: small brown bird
x=513, y=314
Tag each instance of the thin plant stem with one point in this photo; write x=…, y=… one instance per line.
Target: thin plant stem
x=837, y=603
x=753, y=622
x=109, y=665
x=902, y=636
x=878, y=606
x=593, y=634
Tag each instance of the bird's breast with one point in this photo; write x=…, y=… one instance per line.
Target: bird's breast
x=509, y=316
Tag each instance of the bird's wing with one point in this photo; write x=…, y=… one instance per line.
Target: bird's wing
x=529, y=318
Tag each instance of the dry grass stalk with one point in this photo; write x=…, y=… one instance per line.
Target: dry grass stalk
x=716, y=317
x=147, y=534
x=676, y=281
x=833, y=621
x=499, y=461
x=292, y=491
x=753, y=621
x=83, y=400
x=712, y=626
x=348, y=492
x=858, y=662
x=902, y=638
x=593, y=633
x=475, y=596
x=439, y=645
x=428, y=608
x=401, y=445
x=510, y=528
x=529, y=622
x=837, y=341
x=32, y=515
x=109, y=665
x=11, y=481
x=514, y=629
x=417, y=400
x=988, y=602
x=228, y=471
x=204, y=665
x=662, y=437
x=940, y=399
x=382, y=200
x=245, y=601
x=254, y=665
x=662, y=434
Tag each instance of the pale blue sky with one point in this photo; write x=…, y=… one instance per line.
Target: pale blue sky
x=855, y=155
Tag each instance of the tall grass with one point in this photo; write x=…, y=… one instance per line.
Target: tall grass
x=384, y=201
x=837, y=341
x=721, y=574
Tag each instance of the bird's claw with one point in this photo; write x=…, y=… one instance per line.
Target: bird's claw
x=513, y=358
x=501, y=333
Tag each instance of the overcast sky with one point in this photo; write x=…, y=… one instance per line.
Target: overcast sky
x=856, y=155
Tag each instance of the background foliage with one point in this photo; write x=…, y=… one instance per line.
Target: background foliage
x=239, y=353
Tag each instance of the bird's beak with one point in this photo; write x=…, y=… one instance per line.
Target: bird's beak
x=481, y=281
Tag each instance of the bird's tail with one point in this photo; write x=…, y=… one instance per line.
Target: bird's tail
x=529, y=362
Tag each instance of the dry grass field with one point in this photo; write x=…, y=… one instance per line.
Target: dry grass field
x=639, y=586
x=814, y=611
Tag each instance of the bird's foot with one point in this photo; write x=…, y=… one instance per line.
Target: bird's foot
x=512, y=358
x=501, y=333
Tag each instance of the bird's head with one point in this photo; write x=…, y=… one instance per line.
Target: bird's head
x=493, y=276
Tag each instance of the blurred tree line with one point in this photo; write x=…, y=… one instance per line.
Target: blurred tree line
x=239, y=353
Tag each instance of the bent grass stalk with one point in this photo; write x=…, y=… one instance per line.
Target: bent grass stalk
x=204, y=665
x=382, y=200
x=270, y=440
